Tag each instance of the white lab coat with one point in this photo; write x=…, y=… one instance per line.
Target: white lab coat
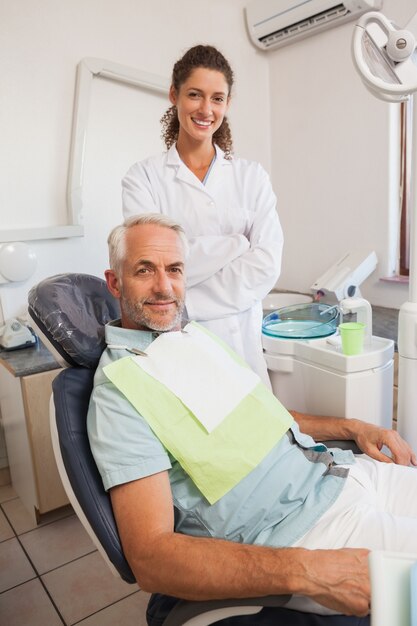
x=235, y=240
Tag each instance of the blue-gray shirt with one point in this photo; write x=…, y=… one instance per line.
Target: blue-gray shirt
x=274, y=505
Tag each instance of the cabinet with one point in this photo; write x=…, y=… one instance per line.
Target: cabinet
x=25, y=389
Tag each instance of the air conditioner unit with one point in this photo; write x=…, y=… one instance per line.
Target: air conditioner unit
x=275, y=23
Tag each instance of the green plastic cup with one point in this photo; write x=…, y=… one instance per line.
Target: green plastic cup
x=352, y=334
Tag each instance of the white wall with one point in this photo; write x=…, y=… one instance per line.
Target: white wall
x=327, y=139
x=330, y=146
x=41, y=44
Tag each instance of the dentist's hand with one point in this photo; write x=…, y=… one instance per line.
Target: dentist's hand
x=371, y=439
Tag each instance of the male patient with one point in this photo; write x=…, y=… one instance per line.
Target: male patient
x=301, y=522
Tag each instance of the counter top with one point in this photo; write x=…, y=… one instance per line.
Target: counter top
x=385, y=323
x=26, y=361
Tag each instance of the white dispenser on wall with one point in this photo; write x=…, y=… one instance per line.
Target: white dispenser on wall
x=310, y=374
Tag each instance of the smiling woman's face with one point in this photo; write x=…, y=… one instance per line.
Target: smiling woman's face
x=202, y=103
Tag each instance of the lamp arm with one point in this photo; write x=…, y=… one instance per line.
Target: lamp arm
x=384, y=56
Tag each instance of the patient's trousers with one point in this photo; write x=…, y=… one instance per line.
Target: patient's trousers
x=377, y=509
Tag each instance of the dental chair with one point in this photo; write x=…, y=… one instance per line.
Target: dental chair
x=71, y=311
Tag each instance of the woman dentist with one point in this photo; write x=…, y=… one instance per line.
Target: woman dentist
x=225, y=204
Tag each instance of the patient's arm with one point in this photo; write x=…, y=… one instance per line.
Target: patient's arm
x=369, y=438
x=202, y=568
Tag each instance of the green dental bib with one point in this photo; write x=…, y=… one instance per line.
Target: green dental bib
x=216, y=461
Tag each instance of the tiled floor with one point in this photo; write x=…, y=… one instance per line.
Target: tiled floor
x=52, y=574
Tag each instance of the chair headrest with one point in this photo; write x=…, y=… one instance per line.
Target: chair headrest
x=71, y=310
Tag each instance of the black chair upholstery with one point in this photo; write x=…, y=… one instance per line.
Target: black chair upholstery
x=72, y=389
x=71, y=310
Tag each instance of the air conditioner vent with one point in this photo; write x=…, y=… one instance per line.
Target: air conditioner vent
x=325, y=17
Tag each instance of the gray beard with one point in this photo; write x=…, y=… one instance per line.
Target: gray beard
x=135, y=312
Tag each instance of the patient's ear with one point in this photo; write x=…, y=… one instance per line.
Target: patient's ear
x=113, y=283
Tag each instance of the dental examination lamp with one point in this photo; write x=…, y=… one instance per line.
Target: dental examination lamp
x=386, y=59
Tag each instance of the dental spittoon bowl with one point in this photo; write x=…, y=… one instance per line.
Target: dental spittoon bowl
x=302, y=321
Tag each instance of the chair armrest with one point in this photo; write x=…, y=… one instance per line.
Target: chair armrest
x=214, y=610
x=343, y=444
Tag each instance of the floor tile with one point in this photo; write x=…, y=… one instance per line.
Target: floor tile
x=90, y=581
x=7, y=493
x=130, y=611
x=14, y=565
x=6, y=531
x=28, y=604
x=56, y=544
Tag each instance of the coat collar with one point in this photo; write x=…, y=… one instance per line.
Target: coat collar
x=173, y=158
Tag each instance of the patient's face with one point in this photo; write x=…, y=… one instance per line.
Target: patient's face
x=152, y=285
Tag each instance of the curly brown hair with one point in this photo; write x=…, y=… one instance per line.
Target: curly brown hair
x=210, y=58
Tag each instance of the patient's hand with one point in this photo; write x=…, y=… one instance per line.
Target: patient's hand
x=371, y=439
x=339, y=579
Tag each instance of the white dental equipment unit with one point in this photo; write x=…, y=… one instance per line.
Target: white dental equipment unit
x=386, y=59
x=307, y=369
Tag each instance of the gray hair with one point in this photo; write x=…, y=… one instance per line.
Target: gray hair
x=117, y=238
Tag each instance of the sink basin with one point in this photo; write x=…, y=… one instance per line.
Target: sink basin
x=274, y=301
x=302, y=321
